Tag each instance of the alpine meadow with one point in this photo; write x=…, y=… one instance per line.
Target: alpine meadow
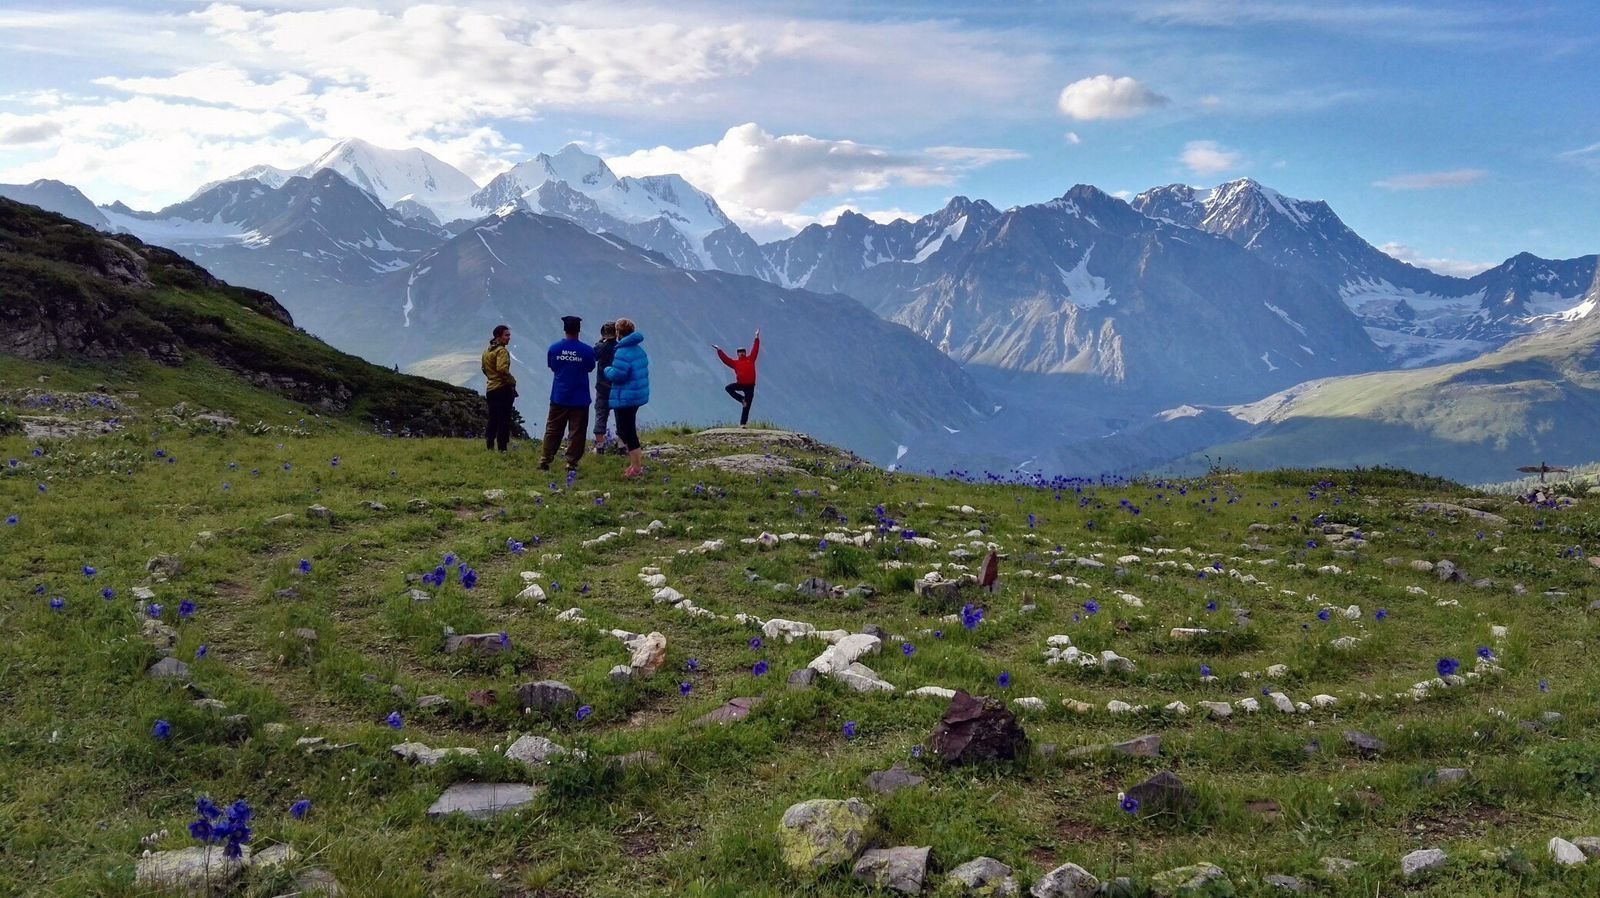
x=777, y=450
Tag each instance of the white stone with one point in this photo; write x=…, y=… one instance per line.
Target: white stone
x=1217, y=709
x=1127, y=559
x=1345, y=642
x=1249, y=705
x=1060, y=640
x=843, y=653
x=1352, y=613
x=666, y=595
x=1498, y=632
x=1184, y=634
x=533, y=593
x=1324, y=701
x=418, y=753
x=790, y=630
x=1076, y=706
x=1282, y=703
x=1118, y=707
x=1178, y=708
x=1112, y=661
x=534, y=750
x=862, y=678
x=1422, y=861
x=932, y=692
x=1565, y=853
x=572, y=615
x=1029, y=703
x=654, y=581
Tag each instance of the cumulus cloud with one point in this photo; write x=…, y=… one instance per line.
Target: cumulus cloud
x=1207, y=157
x=761, y=180
x=1454, y=267
x=1432, y=180
x=1107, y=97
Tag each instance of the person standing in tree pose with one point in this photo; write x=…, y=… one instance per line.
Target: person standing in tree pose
x=602, y=387
x=500, y=389
x=743, y=388
x=571, y=360
x=629, y=374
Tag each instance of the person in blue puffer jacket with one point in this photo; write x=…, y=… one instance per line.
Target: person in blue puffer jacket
x=629, y=374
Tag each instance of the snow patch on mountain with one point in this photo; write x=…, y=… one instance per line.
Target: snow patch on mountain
x=952, y=233
x=1287, y=320
x=1085, y=290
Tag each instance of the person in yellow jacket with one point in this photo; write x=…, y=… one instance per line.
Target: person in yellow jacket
x=501, y=388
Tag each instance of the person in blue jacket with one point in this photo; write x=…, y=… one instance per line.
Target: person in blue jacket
x=571, y=360
x=629, y=374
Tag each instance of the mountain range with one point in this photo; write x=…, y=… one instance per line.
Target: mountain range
x=1059, y=328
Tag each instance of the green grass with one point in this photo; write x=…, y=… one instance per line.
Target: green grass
x=82, y=780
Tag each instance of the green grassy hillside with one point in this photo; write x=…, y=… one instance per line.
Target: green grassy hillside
x=115, y=311
x=310, y=631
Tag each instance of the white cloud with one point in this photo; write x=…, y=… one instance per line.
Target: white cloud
x=1432, y=180
x=1588, y=156
x=1207, y=157
x=762, y=180
x=1072, y=138
x=18, y=130
x=1107, y=97
x=1454, y=267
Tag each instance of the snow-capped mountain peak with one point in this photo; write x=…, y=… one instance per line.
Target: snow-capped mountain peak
x=584, y=172
x=394, y=175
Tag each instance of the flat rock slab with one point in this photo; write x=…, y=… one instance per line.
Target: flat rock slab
x=749, y=464
x=735, y=709
x=1447, y=508
x=169, y=669
x=482, y=800
x=187, y=869
x=745, y=436
x=885, y=782
x=898, y=869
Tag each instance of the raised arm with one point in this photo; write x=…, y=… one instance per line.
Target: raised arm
x=755, y=345
x=723, y=356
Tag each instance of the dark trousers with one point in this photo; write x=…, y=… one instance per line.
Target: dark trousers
x=574, y=419
x=602, y=410
x=745, y=394
x=498, y=434
x=628, y=427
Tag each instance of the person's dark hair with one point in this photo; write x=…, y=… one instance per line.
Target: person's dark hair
x=742, y=352
x=499, y=330
x=609, y=329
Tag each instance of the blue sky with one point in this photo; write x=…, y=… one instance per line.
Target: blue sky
x=1452, y=133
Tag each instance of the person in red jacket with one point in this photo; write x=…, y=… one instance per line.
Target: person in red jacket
x=743, y=388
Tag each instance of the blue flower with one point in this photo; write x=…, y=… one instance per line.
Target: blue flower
x=469, y=579
x=684, y=687
x=1311, y=544
x=1211, y=606
x=907, y=649
x=1004, y=679
x=1544, y=685
x=161, y=730
x=298, y=809
x=1447, y=666
x=1205, y=670
x=89, y=571
x=1381, y=613
x=286, y=466
x=1485, y=653
x=849, y=729
x=394, y=721
x=505, y=639
x=692, y=664
x=334, y=462
x=1323, y=614
x=153, y=609
x=1129, y=804
x=584, y=711
x=305, y=566
x=57, y=603
x=43, y=489
x=938, y=634
x=185, y=608
x=1031, y=520
x=755, y=642
x=449, y=559
x=916, y=751
x=108, y=593
x=11, y=520
x=1091, y=606
x=759, y=669
x=201, y=652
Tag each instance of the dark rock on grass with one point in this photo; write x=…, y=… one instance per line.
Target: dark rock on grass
x=428, y=702
x=1162, y=792
x=815, y=588
x=804, y=678
x=897, y=777
x=546, y=696
x=944, y=594
x=1281, y=883
x=897, y=869
x=169, y=669
x=1066, y=881
x=736, y=709
x=1366, y=746
x=977, y=729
